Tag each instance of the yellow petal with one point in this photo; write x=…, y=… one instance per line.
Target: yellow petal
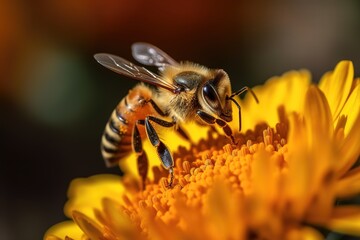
x=352, y=109
x=349, y=185
x=222, y=204
x=63, y=230
x=309, y=137
x=86, y=194
x=310, y=162
x=264, y=176
x=349, y=149
x=305, y=233
x=346, y=220
x=300, y=165
x=89, y=227
x=116, y=220
x=287, y=90
x=318, y=117
x=337, y=85
x=319, y=133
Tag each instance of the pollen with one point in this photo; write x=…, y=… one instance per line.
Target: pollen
x=197, y=169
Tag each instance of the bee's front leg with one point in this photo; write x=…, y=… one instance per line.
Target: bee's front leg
x=221, y=123
x=165, y=123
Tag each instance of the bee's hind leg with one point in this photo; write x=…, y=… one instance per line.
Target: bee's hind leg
x=142, y=160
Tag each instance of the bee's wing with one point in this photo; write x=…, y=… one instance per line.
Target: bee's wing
x=150, y=55
x=125, y=67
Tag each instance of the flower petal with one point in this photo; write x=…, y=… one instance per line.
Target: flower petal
x=117, y=221
x=305, y=233
x=349, y=185
x=337, y=85
x=221, y=203
x=318, y=147
x=350, y=147
x=89, y=227
x=345, y=220
x=63, y=230
x=299, y=177
x=317, y=114
x=351, y=109
x=264, y=171
x=288, y=90
x=84, y=198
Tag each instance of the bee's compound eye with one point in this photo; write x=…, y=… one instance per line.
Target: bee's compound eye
x=209, y=93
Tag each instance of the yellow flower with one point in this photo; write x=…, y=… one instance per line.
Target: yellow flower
x=287, y=178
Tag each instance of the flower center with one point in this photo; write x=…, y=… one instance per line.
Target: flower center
x=198, y=168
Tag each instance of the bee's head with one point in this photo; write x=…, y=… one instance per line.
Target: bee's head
x=214, y=93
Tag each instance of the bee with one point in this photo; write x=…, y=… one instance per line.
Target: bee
x=180, y=93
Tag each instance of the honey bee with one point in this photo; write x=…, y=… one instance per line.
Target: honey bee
x=182, y=92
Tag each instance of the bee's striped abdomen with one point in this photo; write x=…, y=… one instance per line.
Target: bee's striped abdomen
x=116, y=142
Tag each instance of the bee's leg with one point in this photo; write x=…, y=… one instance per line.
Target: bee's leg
x=170, y=124
x=183, y=133
x=162, y=150
x=212, y=120
x=159, y=121
x=166, y=123
x=142, y=160
x=157, y=108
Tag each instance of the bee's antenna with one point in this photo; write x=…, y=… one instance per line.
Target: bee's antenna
x=242, y=90
x=231, y=98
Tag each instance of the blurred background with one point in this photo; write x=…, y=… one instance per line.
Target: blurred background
x=55, y=98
